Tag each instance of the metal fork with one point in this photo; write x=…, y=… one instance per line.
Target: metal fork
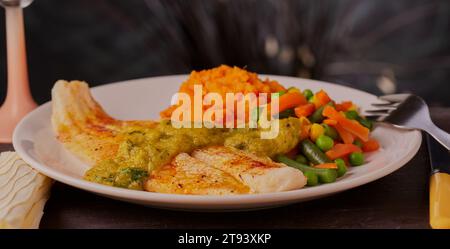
x=408, y=111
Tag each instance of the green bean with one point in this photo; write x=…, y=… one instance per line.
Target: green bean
x=342, y=168
x=313, y=153
x=317, y=116
x=324, y=175
x=351, y=114
x=301, y=159
x=286, y=114
x=311, y=178
x=365, y=122
x=358, y=143
x=330, y=131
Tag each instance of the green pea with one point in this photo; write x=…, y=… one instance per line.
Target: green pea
x=324, y=142
x=342, y=168
x=358, y=143
x=356, y=159
x=351, y=114
x=308, y=93
x=301, y=159
x=311, y=178
x=331, y=131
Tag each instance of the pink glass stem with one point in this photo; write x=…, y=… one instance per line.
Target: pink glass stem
x=18, y=100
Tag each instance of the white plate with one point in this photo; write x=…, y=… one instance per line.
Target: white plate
x=144, y=98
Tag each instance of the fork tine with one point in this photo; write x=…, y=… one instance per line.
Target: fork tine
x=379, y=111
x=395, y=98
x=387, y=105
x=375, y=117
x=382, y=104
x=384, y=108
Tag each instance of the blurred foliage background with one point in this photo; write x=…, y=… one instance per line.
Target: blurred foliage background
x=380, y=46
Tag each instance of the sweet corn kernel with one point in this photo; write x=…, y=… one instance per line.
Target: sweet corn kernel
x=316, y=131
x=293, y=89
x=353, y=108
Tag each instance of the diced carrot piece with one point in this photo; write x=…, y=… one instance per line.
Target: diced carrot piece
x=342, y=150
x=351, y=126
x=355, y=128
x=330, y=112
x=326, y=166
x=330, y=122
x=321, y=98
x=347, y=162
x=344, y=106
x=371, y=145
x=346, y=136
x=305, y=127
x=291, y=100
x=304, y=110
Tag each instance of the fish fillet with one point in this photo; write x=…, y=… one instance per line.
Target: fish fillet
x=83, y=126
x=188, y=175
x=262, y=175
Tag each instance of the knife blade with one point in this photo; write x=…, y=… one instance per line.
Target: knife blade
x=439, y=156
x=439, y=185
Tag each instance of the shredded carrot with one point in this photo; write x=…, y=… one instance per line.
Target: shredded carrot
x=344, y=106
x=222, y=80
x=371, y=145
x=342, y=150
x=352, y=126
x=326, y=166
x=321, y=98
x=330, y=121
x=304, y=110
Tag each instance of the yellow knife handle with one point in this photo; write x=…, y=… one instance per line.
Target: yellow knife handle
x=440, y=201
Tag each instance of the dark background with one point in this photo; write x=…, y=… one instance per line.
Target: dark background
x=381, y=46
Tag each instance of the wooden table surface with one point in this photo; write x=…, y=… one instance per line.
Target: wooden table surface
x=399, y=200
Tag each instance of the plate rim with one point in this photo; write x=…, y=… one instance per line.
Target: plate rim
x=162, y=198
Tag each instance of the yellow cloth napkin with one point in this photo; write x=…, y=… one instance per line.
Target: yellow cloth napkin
x=23, y=193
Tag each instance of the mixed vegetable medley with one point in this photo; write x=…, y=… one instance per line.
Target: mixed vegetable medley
x=333, y=136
